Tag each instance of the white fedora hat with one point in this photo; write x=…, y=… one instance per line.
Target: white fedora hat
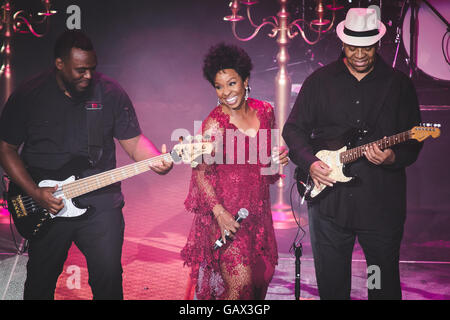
x=361, y=27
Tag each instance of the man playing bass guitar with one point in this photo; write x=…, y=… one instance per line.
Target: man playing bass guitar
x=67, y=112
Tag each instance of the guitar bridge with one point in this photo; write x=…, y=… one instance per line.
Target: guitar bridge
x=19, y=208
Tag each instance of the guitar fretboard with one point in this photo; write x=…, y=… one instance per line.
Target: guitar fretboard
x=98, y=181
x=354, y=154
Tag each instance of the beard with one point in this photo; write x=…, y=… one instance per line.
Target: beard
x=77, y=95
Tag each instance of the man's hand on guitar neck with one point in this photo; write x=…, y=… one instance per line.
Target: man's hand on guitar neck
x=141, y=148
x=377, y=156
x=319, y=172
x=163, y=167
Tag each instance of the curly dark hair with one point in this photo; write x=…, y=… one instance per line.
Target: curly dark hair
x=223, y=56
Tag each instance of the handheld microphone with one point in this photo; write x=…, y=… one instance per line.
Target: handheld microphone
x=242, y=214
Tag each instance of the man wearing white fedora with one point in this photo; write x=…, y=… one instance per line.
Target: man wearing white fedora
x=357, y=99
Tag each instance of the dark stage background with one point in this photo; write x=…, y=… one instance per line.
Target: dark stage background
x=154, y=49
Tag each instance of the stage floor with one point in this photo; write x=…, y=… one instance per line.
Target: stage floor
x=156, y=230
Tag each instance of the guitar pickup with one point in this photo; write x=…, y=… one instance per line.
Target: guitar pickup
x=19, y=208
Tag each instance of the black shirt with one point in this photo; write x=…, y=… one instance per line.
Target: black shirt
x=332, y=102
x=53, y=128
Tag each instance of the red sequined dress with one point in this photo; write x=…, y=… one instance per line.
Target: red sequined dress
x=235, y=183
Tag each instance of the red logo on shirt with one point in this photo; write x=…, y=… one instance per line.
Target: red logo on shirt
x=93, y=106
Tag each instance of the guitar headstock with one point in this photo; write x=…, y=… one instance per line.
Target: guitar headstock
x=426, y=130
x=189, y=152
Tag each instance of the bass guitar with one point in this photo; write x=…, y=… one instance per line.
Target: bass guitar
x=32, y=221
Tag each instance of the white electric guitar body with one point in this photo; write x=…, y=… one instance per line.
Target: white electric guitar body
x=69, y=210
x=331, y=158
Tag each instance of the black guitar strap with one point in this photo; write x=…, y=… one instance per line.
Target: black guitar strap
x=374, y=113
x=94, y=113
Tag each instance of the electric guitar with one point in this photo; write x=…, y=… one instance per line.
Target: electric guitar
x=339, y=160
x=32, y=221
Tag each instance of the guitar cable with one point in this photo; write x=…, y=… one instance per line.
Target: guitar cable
x=24, y=248
x=297, y=240
x=4, y=193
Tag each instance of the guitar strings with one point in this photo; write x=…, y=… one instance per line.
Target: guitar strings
x=349, y=155
x=103, y=179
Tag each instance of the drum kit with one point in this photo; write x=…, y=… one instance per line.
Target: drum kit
x=427, y=46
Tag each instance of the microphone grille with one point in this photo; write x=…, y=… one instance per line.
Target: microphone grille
x=243, y=213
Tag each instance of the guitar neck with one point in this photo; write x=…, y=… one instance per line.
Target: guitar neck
x=101, y=180
x=354, y=154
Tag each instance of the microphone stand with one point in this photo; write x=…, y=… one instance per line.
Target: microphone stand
x=298, y=253
x=23, y=246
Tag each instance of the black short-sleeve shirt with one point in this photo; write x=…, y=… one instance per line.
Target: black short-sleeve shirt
x=53, y=128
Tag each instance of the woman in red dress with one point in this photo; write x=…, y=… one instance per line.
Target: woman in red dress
x=241, y=128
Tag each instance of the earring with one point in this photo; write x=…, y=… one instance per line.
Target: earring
x=218, y=101
x=247, y=90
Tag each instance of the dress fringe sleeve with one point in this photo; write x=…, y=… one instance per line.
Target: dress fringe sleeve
x=202, y=197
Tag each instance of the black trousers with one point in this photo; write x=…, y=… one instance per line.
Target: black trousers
x=332, y=248
x=99, y=236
